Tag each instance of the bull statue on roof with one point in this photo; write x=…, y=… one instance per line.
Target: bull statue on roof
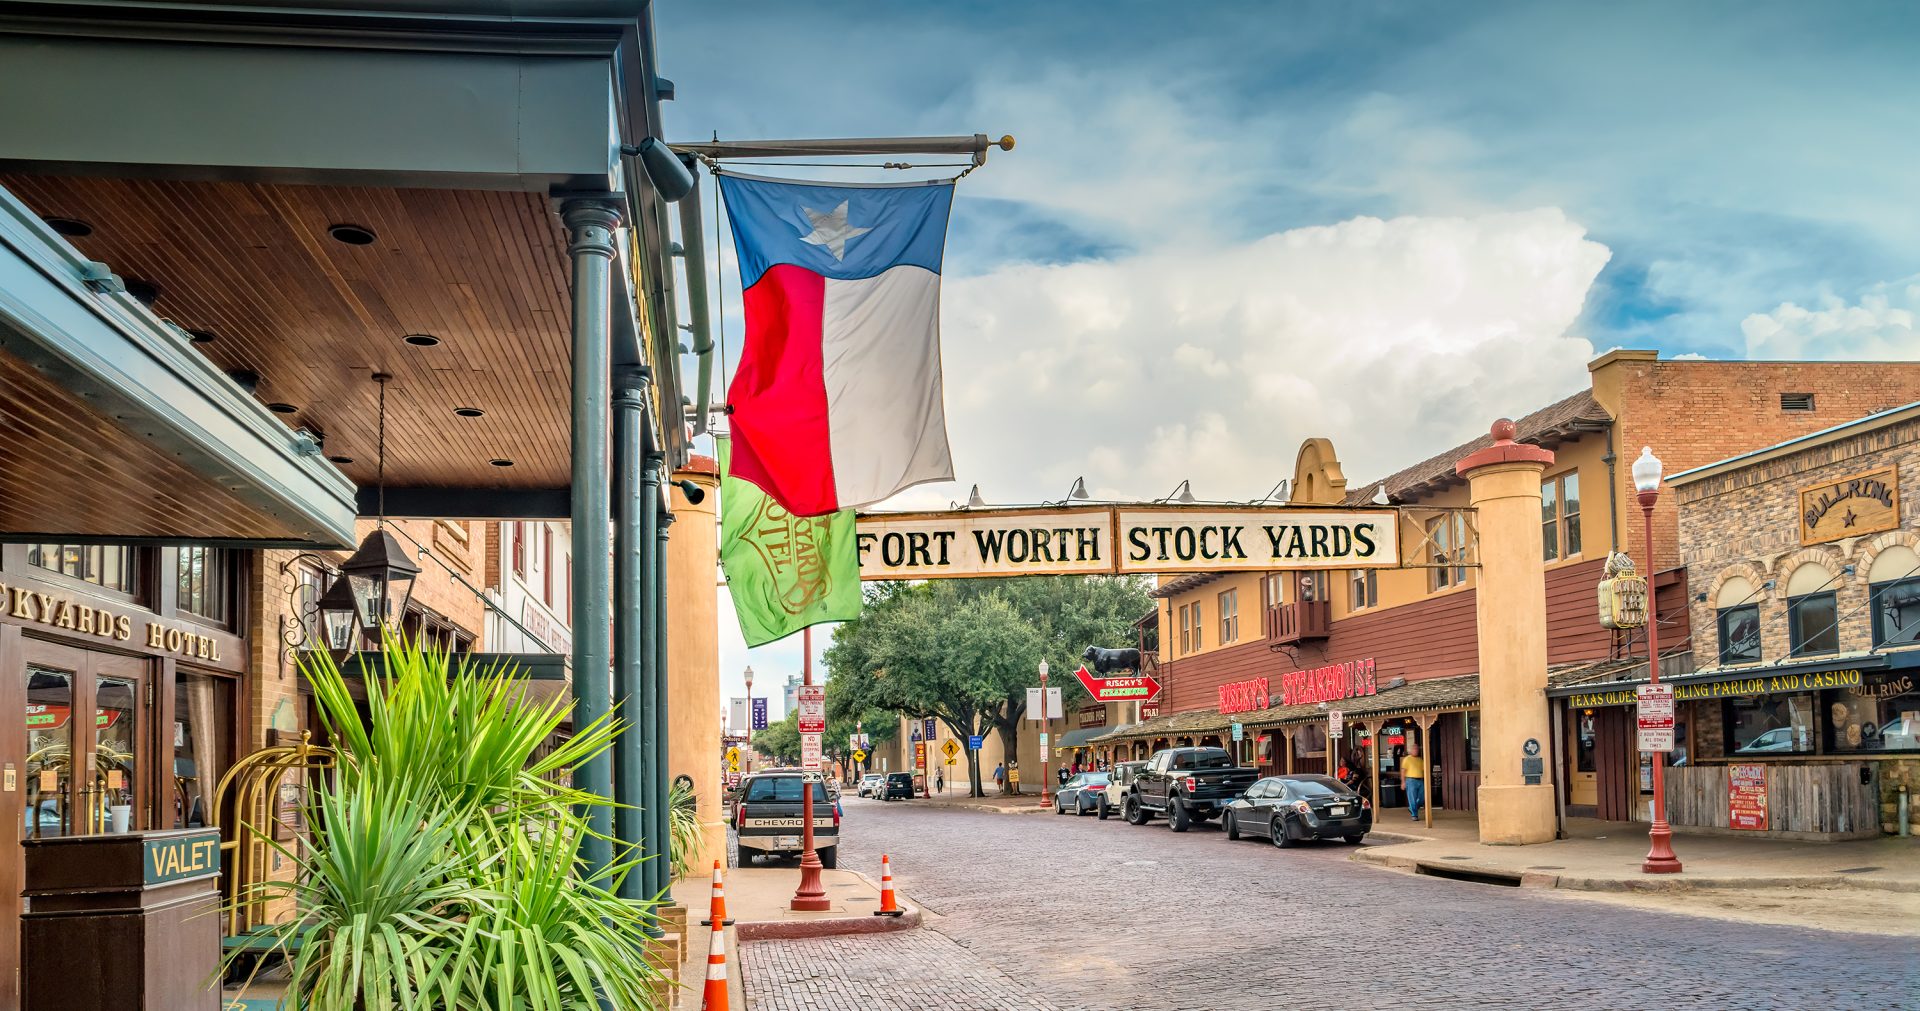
x=1107, y=661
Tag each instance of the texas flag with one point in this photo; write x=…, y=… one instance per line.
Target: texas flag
x=837, y=401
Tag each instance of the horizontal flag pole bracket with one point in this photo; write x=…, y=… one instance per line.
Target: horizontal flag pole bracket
x=975, y=145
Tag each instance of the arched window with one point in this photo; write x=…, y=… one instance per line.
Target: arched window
x=1894, y=582
x=1813, y=619
x=1737, y=613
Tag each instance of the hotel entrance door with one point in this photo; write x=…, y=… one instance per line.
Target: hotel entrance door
x=60, y=775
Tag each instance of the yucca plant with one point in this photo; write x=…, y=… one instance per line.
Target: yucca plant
x=683, y=821
x=443, y=867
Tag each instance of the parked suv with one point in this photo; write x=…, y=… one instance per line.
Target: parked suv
x=766, y=818
x=1119, y=780
x=1187, y=785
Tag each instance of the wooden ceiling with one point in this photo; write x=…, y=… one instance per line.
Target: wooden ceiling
x=67, y=468
x=254, y=266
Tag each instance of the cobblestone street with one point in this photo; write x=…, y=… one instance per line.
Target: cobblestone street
x=1074, y=913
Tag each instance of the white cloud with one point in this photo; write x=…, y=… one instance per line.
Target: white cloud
x=1394, y=338
x=1880, y=325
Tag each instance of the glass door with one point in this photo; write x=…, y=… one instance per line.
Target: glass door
x=82, y=775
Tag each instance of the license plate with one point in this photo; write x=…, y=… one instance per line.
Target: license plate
x=1336, y=812
x=786, y=842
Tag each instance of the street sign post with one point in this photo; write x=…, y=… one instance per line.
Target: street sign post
x=1336, y=724
x=810, y=751
x=759, y=717
x=859, y=756
x=1238, y=732
x=1132, y=688
x=1655, y=717
x=950, y=748
x=975, y=741
x=813, y=710
x=1051, y=709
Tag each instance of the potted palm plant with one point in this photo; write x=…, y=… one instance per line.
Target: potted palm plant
x=442, y=868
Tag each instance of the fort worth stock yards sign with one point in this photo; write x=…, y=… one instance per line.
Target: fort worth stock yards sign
x=1093, y=540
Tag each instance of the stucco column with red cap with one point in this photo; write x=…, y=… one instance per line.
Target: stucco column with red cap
x=1511, y=606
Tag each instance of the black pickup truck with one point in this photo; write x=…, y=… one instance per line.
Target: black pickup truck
x=1185, y=785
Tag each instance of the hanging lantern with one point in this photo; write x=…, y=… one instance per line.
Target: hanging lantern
x=380, y=577
x=338, y=615
x=1623, y=594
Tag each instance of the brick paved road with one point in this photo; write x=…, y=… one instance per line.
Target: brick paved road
x=1085, y=914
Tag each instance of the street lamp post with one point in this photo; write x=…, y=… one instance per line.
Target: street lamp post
x=811, y=896
x=749, y=676
x=1660, y=856
x=1045, y=773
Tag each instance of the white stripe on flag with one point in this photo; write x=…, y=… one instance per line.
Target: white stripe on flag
x=880, y=357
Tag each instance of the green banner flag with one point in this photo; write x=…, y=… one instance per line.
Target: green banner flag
x=785, y=572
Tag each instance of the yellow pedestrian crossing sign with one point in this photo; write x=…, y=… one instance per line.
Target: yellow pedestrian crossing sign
x=859, y=756
x=952, y=748
x=733, y=759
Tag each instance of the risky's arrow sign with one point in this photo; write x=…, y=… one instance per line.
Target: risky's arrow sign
x=1134, y=688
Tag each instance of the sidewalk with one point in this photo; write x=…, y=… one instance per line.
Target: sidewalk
x=1606, y=856
x=998, y=804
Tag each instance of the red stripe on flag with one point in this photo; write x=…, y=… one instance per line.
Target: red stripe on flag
x=778, y=400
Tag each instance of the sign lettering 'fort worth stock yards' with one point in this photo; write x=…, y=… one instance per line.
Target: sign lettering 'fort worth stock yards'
x=1124, y=539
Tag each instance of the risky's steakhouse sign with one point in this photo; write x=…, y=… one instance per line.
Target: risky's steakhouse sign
x=1124, y=539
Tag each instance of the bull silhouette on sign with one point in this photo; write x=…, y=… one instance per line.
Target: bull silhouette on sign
x=1107, y=661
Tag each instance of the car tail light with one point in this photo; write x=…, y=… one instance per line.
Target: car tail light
x=739, y=815
x=836, y=814
x=1303, y=807
x=1190, y=784
x=1365, y=804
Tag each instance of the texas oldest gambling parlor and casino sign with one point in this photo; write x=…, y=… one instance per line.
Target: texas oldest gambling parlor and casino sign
x=1092, y=540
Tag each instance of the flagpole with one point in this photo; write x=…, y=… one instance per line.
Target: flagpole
x=811, y=896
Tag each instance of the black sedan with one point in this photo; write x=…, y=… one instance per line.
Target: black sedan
x=1081, y=793
x=1289, y=809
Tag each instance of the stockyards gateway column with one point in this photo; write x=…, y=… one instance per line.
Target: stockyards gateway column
x=1516, y=780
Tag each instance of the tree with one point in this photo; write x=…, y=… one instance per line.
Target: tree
x=847, y=715
x=965, y=651
x=781, y=740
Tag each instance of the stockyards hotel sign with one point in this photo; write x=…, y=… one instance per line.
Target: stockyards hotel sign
x=1124, y=539
x=1862, y=504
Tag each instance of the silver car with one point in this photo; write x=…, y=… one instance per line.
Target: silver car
x=1118, y=779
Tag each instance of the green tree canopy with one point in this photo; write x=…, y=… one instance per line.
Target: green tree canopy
x=965, y=651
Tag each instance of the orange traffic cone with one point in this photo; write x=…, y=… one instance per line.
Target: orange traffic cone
x=888, y=907
x=715, y=997
x=717, y=913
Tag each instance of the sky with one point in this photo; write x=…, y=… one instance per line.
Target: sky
x=1226, y=228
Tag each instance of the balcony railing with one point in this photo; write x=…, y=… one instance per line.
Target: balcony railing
x=1299, y=621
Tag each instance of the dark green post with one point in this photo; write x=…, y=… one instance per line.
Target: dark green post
x=661, y=681
x=646, y=726
x=590, y=224
x=631, y=772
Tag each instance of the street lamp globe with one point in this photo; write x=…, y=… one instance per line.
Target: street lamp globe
x=1043, y=670
x=1646, y=470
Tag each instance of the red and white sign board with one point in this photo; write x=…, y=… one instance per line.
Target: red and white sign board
x=1656, y=717
x=1150, y=710
x=1336, y=724
x=813, y=710
x=1132, y=688
x=1747, y=797
x=810, y=751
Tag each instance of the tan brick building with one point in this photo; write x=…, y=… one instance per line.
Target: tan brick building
x=1416, y=627
x=1805, y=562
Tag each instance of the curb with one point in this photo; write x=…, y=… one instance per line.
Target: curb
x=991, y=809
x=1537, y=879
x=789, y=930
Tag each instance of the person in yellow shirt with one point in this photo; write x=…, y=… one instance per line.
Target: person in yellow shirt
x=1413, y=777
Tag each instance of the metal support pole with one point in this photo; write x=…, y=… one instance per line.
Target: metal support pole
x=661, y=822
x=1660, y=856
x=811, y=896
x=632, y=773
x=652, y=562
x=590, y=224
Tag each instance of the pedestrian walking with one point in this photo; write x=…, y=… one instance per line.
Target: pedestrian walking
x=940, y=780
x=1064, y=775
x=1000, y=777
x=1413, y=778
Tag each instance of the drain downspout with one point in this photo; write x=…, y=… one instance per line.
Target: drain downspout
x=693, y=242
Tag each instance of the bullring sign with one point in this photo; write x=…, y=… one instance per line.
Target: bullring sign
x=1105, y=540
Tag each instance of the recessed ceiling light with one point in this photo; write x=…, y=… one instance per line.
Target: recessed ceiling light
x=501, y=463
x=469, y=412
x=144, y=292
x=201, y=336
x=421, y=340
x=341, y=459
x=72, y=228
x=352, y=235
x=282, y=408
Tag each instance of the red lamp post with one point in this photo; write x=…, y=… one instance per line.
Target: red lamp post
x=1045, y=774
x=1660, y=856
x=811, y=896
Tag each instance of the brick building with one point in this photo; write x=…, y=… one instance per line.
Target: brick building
x=1806, y=567
x=1414, y=628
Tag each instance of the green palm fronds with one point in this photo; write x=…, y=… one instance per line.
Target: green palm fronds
x=443, y=870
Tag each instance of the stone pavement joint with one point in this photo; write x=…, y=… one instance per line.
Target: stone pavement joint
x=921, y=970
